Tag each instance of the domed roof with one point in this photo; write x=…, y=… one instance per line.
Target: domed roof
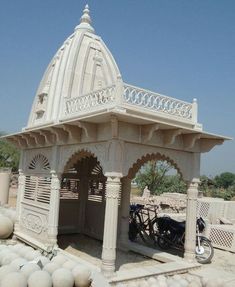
x=82, y=65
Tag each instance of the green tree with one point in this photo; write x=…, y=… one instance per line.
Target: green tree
x=225, y=180
x=155, y=175
x=9, y=155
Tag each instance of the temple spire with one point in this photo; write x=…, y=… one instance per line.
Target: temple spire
x=85, y=20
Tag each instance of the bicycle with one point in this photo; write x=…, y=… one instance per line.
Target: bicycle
x=142, y=224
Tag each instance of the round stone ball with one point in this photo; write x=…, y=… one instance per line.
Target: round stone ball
x=6, y=227
x=51, y=267
x=2, y=247
x=14, y=279
x=59, y=259
x=24, y=250
x=29, y=268
x=196, y=284
x=40, y=279
x=70, y=264
x=151, y=280
x=4, y=270
x=18, y=263
x=31, y=255
x=143, y=283
x=18, y=247
x=44, y=260
x=215, y=282
x=62, y=278
x=3, y=253
x=82, y=276
x=7, y=258
x=131, y=284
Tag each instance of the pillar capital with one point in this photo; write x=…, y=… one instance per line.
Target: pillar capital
x=112, y=175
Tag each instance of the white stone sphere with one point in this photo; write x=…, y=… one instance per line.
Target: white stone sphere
x=44, y=260
x=131, y=284
x=161, y=278
x=18, y=247
x=51, y=267
x=162, y=284
x=7, y=258
x=70, y=264
x=174, y=284
x=196, y=284
x=24, y=250
x=82, y=276
x=62, y=278
x=215, y=282
x=183, y=282
x=29, y=268
x=151, y=280
x=14, y=279
x=3, y=253
x=31, y=255
x=18, y=263
x=59, y=259
x=40, y=279
x=4, y=270
x=6, y=227
x=143, y=283
x=3, y=246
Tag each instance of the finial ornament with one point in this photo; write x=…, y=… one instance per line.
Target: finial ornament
x=85, y=20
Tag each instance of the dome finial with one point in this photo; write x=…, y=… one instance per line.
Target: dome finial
x=85, y=20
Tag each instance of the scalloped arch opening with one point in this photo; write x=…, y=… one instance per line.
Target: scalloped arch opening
x=153, y=156
x=79, y=155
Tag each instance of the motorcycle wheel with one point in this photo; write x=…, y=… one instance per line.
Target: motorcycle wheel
x=162, y=242
x=205, y=252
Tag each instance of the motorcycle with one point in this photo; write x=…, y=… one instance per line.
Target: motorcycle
x=171, y=233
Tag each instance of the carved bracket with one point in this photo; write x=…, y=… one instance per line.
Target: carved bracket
x=170, y=135
x=39, y=139
x=189, y=140
x=89, y=129
x=74, y=132
x=147, y=132
x=49, y=136
x=61, y=134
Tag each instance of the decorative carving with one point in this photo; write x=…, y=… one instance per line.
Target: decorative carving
x=97, y=150
x=39, y=162
x=147, y=131
x=190, y=140
x=170, y=136
x=34, y=222
x=153, y=101
x=90, y=101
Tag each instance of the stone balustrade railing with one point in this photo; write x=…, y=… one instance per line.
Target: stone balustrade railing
x=94, y=100
x=135, y=97
x=152, y=101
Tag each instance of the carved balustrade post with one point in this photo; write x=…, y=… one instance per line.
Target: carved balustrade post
x=125, y=206
x=54, y=208
x=191, y=216
x=20, y=195
x=113, y=186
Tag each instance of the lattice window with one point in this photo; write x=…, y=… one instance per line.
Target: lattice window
x=38, y=189
x=69, y=188
x=39, y=163
x=221, y=237
x=203, y=209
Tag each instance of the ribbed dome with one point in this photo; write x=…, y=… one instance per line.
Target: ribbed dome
x=82, y=65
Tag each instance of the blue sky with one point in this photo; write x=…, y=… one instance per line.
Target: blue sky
x=180, y=48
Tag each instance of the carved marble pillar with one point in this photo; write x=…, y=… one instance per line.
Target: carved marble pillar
x=125, y=206
x=191, y=216
x=54, y=208
x=113, y=186
x=20, y=195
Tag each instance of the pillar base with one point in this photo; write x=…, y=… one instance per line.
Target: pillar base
x=190, y=257
x=108, y=268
